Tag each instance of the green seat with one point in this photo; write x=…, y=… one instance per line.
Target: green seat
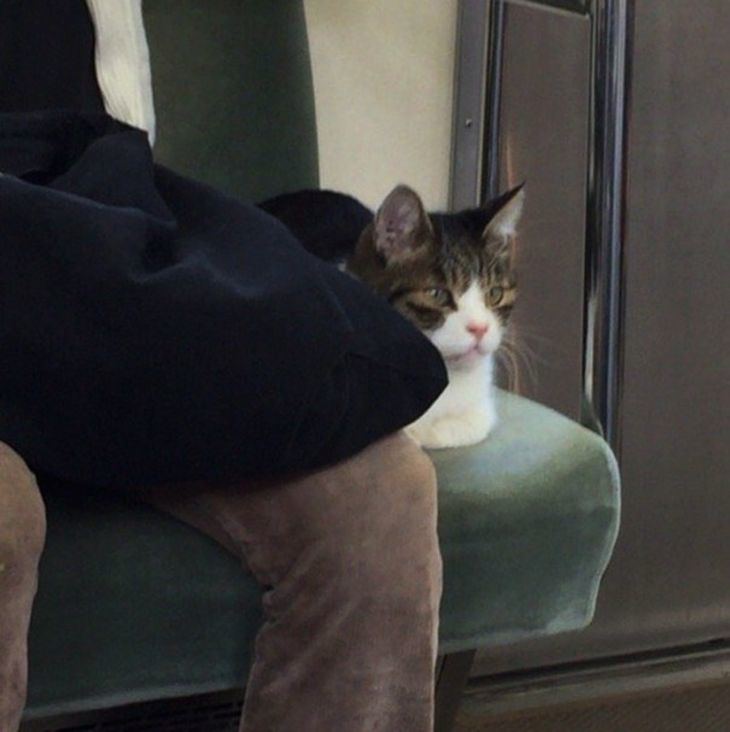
x=136, y=606
x=527, y=523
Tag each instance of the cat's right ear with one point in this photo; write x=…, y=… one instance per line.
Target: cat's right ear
x=400, y=225
x=507, y=212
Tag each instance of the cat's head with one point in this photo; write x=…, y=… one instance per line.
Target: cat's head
x=452, y=275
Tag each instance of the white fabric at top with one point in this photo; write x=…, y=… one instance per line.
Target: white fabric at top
x=123, y=62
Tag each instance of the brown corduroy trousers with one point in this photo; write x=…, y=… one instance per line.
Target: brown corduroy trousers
x=350, y=562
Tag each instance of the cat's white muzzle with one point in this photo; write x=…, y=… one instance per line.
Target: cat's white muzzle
x=454, y=339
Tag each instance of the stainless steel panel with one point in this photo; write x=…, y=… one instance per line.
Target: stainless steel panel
x=544, y=120
x=675, y=551
x=668, y=584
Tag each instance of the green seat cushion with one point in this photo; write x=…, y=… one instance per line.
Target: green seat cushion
x=134, y=605
x=527, y=521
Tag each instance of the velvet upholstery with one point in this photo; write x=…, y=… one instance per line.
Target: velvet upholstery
x=233, y=93
x=528, y=520
x=134, y=605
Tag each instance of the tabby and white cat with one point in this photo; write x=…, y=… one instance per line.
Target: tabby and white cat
x=451, y=274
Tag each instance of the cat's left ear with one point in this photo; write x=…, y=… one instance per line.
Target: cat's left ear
x=502, y=225
x=401, y=225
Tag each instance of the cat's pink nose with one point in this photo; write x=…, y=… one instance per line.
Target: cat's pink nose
x=479, y=330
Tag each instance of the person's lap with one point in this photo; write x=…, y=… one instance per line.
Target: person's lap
x=349, y=559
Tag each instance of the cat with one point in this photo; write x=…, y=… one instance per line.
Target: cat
x=451, y=274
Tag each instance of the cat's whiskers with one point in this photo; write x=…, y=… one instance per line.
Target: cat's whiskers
x=507, y=361
x=517, y=357
x=523, y=335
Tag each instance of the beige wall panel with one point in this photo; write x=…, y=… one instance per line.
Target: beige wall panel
x=383, y=79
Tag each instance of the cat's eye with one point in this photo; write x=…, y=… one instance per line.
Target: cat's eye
x=496, y=294
x=438, y=293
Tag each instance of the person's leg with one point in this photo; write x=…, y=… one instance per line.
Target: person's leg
x=350, y=561
x=22, y=535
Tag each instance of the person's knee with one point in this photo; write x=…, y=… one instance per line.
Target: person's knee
x=22, y=517
x=384, y=533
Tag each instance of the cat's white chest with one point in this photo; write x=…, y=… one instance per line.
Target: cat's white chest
x=464, y=414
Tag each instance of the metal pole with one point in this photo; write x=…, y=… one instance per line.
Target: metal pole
x=605, y=217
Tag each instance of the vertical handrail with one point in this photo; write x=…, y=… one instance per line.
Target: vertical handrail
x=605, y=206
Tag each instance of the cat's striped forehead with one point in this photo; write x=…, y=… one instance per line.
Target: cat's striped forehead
x=462, y=257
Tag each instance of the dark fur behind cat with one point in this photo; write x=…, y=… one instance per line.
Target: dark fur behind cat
x=327, y=223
